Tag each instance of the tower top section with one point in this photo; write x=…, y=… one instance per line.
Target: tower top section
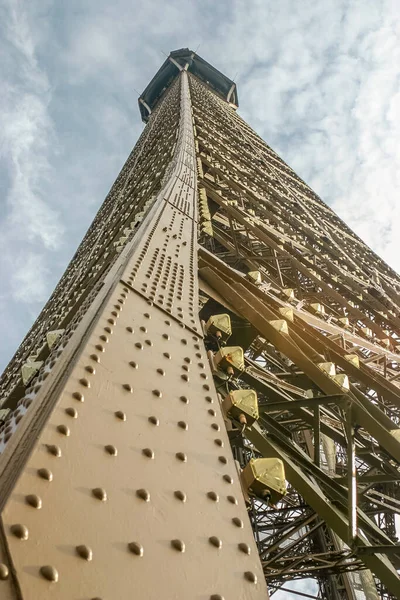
x=179, y=60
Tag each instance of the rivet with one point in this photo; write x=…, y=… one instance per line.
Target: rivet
x=219, y=442
x=227, y=478
x=78, y=396
x=250, y=576
x=213, y=496
x=161, y=371
x=206, y=387
x=212, y=412
x=165, y=336
x=54, y=450
x=120, y=415
x=90, y=369
x=103, y=338
x=217, y=597
x=127, y=387
x=209, y=399
x=63, y=429
x=129, y=329
x=108, y=329
x=142, y=328
x=178, y=545
x=136, y=548
x=72, y=412
x=50, y=573
x=95, y=358
x=238, y=522
x=84, y=382
x=167, y=322
x=183, y=425
x=215, y=541
x=154, y=420
x=4, y=572
x=167, y=355
x=20, y=531
x=157, y=393
x=139, y=345
x=111, y=321
x=143, y=494
x=34, y=501
x=181, y=456
x=203, y=376
x=223, y=460
x=99, y=347
x=185, y=377
x=184, y=399
x=244, y=548
x=84, y=552
x=147, y=315
x=133, y=364
x=180, y=495
x=148, y=452
x=45, y=474
x=184, y=341
x=100, y=494
x=110, y=449
x=232, y=499
x=148, y=342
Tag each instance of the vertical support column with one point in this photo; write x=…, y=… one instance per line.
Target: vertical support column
x=131, y=487
x=351, y=475
x=317, y=436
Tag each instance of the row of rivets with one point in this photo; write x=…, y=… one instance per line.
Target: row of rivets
x=135, y=547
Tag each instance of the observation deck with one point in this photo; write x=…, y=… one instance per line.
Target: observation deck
x=185, y=59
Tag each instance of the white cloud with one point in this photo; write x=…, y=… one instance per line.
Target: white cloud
x=29, y=223
x=29, y=282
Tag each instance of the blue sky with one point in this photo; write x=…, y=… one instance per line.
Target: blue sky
x=317, y=79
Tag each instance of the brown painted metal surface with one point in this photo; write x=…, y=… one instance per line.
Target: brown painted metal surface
x=124, y=495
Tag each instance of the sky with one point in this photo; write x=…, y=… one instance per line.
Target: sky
x=317, y=79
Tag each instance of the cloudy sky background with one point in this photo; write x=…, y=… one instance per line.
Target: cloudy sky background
x=317, y=79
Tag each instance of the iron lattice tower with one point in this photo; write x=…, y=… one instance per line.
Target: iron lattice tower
x=116, y=444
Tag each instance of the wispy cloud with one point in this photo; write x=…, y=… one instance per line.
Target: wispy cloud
x=30, y=228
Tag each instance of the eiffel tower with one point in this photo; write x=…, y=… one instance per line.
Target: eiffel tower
x=208, y=405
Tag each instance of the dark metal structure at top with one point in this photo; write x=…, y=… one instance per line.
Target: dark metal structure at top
x=169, y=71
x=209, y=403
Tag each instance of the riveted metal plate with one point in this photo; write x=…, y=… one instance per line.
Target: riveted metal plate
x=165, y=266
x=125, y=492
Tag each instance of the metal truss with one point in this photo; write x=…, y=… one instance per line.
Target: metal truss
x=322, y=355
